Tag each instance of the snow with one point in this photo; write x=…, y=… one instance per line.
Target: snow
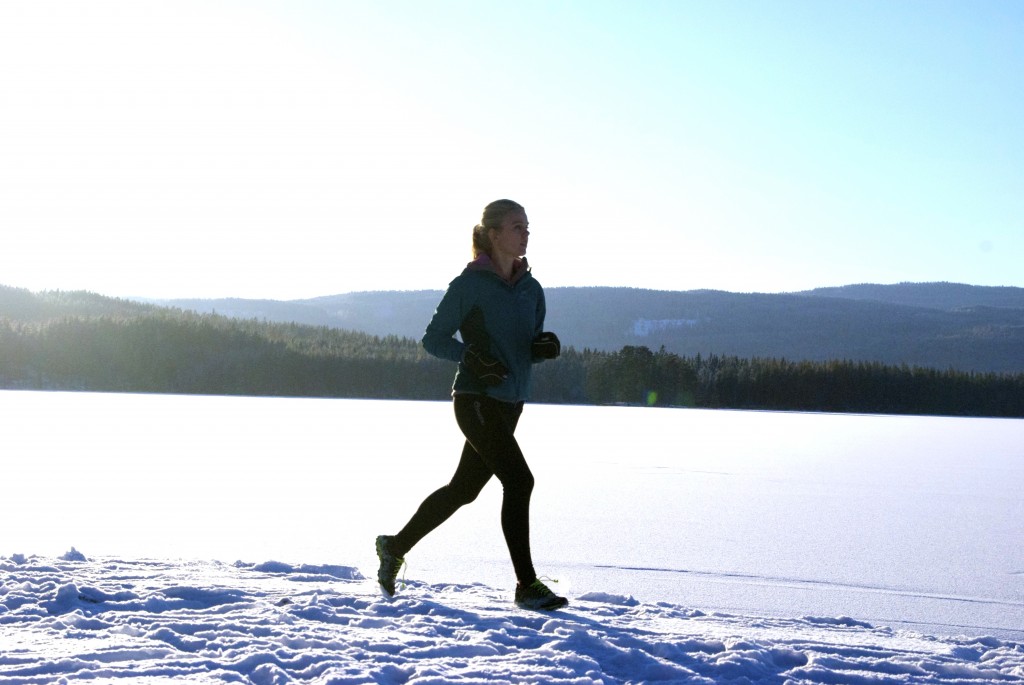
x=150, y=621
x=697, y=547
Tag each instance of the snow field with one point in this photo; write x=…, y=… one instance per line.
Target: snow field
x=154, y=621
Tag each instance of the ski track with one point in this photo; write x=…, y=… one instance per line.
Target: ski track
x=779, y=581
x=157, y=621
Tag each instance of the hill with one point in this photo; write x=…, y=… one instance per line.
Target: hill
x=81, y=341
x=930, y=325
x=945, y=296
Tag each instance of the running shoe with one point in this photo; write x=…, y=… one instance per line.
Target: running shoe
x=538, y=597
x=390, y=565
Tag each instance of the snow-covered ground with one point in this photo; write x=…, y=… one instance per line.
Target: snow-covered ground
x=726, y=547
x=149, y=621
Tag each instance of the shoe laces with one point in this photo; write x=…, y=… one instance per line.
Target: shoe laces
x=404, y=566
x=539, y=587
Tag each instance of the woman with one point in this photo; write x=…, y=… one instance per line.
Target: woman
x=498, y=309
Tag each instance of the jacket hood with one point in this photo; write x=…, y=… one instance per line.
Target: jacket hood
x=484, y=263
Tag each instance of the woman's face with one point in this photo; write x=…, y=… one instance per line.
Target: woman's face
x=510, y=240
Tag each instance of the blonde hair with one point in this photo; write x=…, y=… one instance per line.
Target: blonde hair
x=492, y=217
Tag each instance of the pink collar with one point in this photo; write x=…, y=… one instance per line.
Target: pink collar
x=485, y=263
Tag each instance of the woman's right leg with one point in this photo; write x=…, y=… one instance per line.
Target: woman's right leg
x=489, y=425
x=470, y=477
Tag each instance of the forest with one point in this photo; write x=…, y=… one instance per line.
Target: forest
x=85, y=342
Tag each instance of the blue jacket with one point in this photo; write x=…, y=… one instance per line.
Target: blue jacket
x=496, y=315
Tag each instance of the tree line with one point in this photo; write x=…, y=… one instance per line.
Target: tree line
x=636, y=375
x=161, y=350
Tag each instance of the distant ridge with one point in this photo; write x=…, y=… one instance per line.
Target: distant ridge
x=932, y=325
x=946, y=296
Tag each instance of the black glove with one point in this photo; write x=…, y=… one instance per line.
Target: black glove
x=484, y=366
x=546, y=346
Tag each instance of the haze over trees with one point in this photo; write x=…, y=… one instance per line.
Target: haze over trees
x=933, y=325
x=82, y=341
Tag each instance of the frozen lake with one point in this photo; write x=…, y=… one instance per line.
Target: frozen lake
x=903, y=521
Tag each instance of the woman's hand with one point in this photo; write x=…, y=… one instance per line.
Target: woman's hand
x=484, y=366
x=546, y=346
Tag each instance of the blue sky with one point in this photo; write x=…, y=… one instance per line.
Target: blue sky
x=297, y=149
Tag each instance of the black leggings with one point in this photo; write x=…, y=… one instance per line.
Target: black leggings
x=490, y=450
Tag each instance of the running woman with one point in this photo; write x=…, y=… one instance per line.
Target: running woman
x=498, y=309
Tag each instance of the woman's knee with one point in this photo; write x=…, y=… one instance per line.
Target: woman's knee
x=519, y=484
x=463, y=493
